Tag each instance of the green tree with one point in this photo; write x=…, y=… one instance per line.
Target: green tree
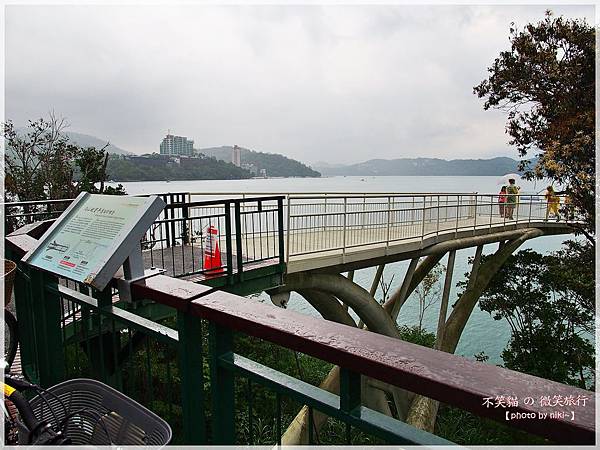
x=42, y=163
x=548, y=302
x=429, y=290
x=546, y=83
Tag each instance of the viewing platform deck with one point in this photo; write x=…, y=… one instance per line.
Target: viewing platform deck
x=266, y=234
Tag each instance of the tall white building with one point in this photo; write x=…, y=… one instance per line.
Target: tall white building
x=236, y=156
x=176, y=145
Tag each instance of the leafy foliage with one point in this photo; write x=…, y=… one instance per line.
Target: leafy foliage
x=154, y=168
x=44, y=164
x=548, y=302
x=428, y=291
x=546, y=83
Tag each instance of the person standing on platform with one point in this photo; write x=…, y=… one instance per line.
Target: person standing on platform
x=502, y=200
x=512, y=198
x=553, y=202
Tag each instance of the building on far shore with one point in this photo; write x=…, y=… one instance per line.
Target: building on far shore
x=176, y=145
x=236, y=156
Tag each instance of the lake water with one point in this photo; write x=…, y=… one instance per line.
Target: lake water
x=481, y=333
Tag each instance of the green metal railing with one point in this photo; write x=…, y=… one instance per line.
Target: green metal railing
x=180, y=348
x=70, y=332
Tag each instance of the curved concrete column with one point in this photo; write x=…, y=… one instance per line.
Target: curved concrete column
x=398, y=298
x=423, y=410
x=328, y=306
x=363, y=304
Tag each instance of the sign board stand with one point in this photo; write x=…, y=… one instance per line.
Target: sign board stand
x=133, y=271
x=94, y=236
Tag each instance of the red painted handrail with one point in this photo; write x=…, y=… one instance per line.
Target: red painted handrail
x=442, y=376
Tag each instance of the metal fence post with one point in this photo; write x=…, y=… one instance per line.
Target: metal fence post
x=238, y=239
x=280, y=231
x=423, y=222
x=325, y=214
x=221, y=386
x=24, y=305
x=228, y=241
x=104, y=356
x=47, y=318
x=530, y=206
x=185, y=211
x=344, y=229
x=491, y=209
x=172, y=224
x=192, y=378
x=289, y=231
x=475, y=213
x=438, y=217
x=458, y=206
x=362, y=222
x=387, y=232
x=349, y=390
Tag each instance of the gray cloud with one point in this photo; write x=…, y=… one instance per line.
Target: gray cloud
x=328, y=83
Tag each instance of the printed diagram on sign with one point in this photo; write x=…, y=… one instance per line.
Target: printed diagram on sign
x=86, y=248
x=58, y=247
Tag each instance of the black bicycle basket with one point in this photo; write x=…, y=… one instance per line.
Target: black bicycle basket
x=100, y=415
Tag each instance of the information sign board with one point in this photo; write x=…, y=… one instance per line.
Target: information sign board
x=94, y=236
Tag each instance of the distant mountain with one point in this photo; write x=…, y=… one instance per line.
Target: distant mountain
x=424, y=167
x=275, y=164
x=85, y=140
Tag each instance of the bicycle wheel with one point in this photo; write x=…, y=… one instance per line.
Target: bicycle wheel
x=11, y=337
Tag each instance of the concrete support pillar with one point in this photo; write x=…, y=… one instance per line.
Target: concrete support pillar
x=328, y=306
x=423, y=410
x=376, y=279
x=404, y=290
x=444, y=304
x=421, y=272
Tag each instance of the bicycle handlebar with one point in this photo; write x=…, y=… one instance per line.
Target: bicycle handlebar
x=39, y=432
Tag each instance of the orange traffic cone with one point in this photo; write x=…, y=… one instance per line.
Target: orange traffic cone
x=212, y=254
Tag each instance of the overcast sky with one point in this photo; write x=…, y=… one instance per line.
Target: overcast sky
x=333, y=83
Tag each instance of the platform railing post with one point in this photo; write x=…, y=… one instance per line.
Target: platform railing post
x=228, y=240
x=280, y=231
x=423, y=222
x=458, y=206
x=344, y=228
x=530, y=207
x=221, y=386
x=47, y=318
x=26, y=311
x=325, y=214
x=389, y=219
x=288, y=230
x=185, y=232
x=438, y=217
x=192, y=378
x=349, y=391
x=238, y=238
x=475, y=213
x=492, y=204
x=362, y=222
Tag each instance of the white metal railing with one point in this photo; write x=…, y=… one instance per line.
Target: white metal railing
x=332, y=221
x=335, y=221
